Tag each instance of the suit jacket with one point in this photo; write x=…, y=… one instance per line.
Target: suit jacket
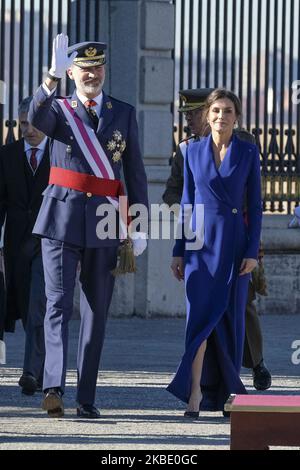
x=20, y=201
x=69, y=215
x=222, y=190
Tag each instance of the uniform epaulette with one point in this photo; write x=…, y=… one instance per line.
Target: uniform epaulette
x=243, y=131
x=245, y=135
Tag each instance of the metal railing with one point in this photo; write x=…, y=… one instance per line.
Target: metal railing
x=27, y=28
x=251, y=47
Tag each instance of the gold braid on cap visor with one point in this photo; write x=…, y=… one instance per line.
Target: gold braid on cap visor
x=191, y=106
x=100, y=59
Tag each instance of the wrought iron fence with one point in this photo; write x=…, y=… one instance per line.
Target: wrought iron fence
x=249, y=46
x=253, y=48
x=27, y=28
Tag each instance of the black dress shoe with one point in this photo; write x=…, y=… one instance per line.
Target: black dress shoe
x=226, y=414
x=53, y=403
x=262, y=379
x=28, y=383
x=88, y=411
x=191, y=414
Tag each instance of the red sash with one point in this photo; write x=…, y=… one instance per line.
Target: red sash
x=86, y=183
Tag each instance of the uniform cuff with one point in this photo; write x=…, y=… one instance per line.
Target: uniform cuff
x=47, y=91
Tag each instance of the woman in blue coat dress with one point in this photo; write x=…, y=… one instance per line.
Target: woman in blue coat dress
x=221, y=172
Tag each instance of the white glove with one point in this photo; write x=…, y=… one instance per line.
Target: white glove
x=295, y=222
x=139, y=242
x=60, y=59
x=297, y=212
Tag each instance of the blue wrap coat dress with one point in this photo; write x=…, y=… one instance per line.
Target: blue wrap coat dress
x=216, y=294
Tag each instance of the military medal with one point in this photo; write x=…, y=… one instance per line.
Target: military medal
x=117, y=136
x=116, y=156
x=111, y=145
x=116, y=145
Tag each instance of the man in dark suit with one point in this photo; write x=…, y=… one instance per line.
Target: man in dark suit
x=92, y=137
x=24, y=174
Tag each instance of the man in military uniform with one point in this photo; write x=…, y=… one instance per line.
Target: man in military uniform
x=193, y=102
x=92, y=137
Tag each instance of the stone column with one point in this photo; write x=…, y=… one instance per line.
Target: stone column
x=140, y=70
x=142, y=36
x=282, y=266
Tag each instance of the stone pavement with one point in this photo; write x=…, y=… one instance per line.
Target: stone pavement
x=139, y=359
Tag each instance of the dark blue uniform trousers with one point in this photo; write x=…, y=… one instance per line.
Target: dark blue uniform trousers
x=96, y=286
x=34, y=344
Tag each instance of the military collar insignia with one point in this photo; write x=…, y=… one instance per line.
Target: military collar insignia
x=74, y=104
x=116, y=145
x=108, y=105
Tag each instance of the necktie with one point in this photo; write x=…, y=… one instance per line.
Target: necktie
x=89, y=104
x=33, y=159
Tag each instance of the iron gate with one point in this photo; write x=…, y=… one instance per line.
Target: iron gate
x=251, y=47
x=27, y=28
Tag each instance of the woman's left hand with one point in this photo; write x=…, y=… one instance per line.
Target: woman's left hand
x=248, y=264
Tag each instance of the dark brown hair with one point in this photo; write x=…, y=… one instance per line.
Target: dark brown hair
x=24, y=105
x=218, y=94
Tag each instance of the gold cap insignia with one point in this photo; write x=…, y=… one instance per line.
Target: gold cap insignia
x=109, y=105
x=74, y=104
x=90, y=52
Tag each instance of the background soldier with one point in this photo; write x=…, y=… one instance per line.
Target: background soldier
x=193, y=101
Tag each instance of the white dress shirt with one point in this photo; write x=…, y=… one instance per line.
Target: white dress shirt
x=39, y=154
x=98, y=99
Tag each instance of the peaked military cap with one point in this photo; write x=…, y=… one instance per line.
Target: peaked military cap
x=193, y=98
x=90, y=54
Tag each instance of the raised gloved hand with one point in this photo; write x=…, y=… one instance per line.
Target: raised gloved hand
x=139, y=242
x=60, y=59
